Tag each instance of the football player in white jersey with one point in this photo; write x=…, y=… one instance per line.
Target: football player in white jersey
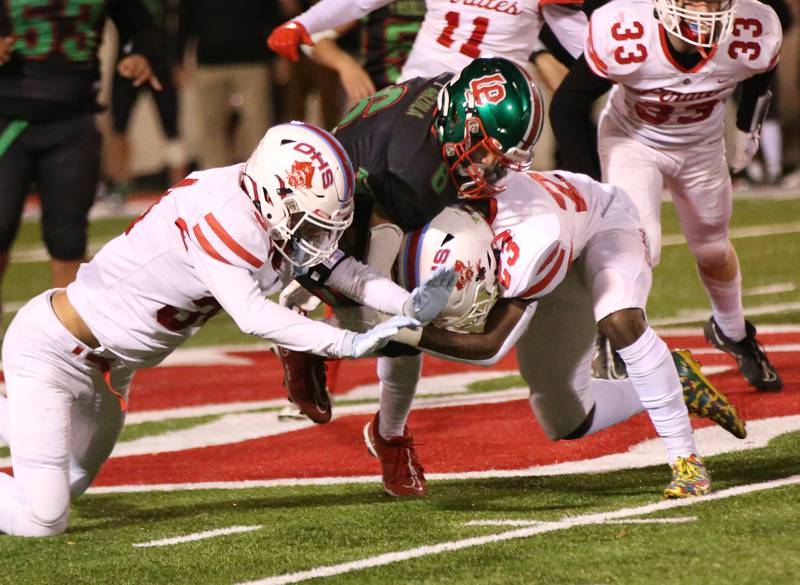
x=453, y=32
x=672, y=64
x=221, y=239
x=573, y=257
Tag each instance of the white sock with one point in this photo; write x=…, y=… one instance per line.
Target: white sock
x=726, y=304
x=614, y=401
x=399, y=377
x=652, y=373
x=772, y=149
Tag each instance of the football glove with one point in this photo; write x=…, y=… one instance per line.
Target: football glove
x=428, y=299
x=298, y=299
x=745, y=148
x=286, y=39
x=362, y=344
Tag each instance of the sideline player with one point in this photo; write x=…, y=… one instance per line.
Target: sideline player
x=672, y=69
x=221, y=239
x=453, y=33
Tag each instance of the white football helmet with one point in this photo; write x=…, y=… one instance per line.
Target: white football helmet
x=704, y=29
x=301, y=180
x=462, y=238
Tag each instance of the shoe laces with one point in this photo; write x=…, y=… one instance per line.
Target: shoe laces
x=686, y=468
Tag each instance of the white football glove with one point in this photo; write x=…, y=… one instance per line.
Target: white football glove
x=362, y=344
x=745, y=147
x=428, y=299
x=298, y=299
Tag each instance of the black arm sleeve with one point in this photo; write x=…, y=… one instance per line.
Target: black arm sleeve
x=571, y=118
x=752, y=89
x=135, y=23
x=549, y=40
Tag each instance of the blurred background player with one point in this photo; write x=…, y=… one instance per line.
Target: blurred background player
x=232, y=74
x=124, y=97
x=452, y=34
x=49, y=78
x=672, y=64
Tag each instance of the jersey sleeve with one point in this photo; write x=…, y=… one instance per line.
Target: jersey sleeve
x=615, y=43
x=327, y=14
x=367, y=286
x=237, y=291
x=568, y=24
x=756, y=37
x=228, y=239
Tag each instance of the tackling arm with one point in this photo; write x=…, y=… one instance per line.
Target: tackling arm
x=505, y=324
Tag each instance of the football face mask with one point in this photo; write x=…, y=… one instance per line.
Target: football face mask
x=703, y=24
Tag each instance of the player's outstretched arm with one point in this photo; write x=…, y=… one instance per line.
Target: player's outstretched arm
x=428, y=299
x=367, y=343
x=505, y=323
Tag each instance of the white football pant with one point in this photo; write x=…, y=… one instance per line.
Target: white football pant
x=62, y=420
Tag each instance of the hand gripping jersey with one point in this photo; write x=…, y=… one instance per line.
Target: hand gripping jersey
x=201, y=248
x=455, y=32
x=543, y=221
x=656, y=100
x=396, y=157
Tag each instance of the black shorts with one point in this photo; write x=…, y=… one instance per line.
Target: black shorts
x=62, y=161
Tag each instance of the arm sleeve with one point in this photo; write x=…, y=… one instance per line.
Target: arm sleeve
x=571, y=118
x=368, y=287
x=328, y=14
x=238, y=293
x=135, y=23
x=568, y=24
x=752, y=89
x=509, y=342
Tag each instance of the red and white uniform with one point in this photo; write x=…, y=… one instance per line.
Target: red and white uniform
x=201, y=248
x=454, y=32
x=663, y=124
x=576, y=247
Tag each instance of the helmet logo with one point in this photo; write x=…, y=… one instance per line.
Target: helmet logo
x=321, y=163
x=301, y=175
x=489, y=89
x=465, y=274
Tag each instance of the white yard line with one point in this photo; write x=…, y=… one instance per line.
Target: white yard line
x=526, y=532
x=700, y=315
x=755, y=231
x=681, y=520
x=710, y=440
x=770, y=289
x=197, y=536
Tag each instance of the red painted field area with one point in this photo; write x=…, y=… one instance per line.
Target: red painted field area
x=464, y=438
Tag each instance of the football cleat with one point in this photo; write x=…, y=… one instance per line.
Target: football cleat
x=689, y=478
x=607, y=363
x=749, y=354
x=304, y=378
x=703, y=399
x=403, y=474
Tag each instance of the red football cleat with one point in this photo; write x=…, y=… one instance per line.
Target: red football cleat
x=304, y=379
x=403, y=474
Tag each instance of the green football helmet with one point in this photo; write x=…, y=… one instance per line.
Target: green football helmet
x=489, y=118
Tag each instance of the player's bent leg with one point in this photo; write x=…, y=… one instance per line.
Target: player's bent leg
x=96, y=421
x=387, y=436
x=305, y=381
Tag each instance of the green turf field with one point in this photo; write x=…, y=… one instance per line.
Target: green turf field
x=571, y=529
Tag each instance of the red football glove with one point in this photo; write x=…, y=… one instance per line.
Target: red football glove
x=285, y=39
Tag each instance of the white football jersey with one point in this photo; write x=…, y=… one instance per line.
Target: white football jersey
x=454, y=32
x=201, y=248
x=543, y=221
x=658, y=101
